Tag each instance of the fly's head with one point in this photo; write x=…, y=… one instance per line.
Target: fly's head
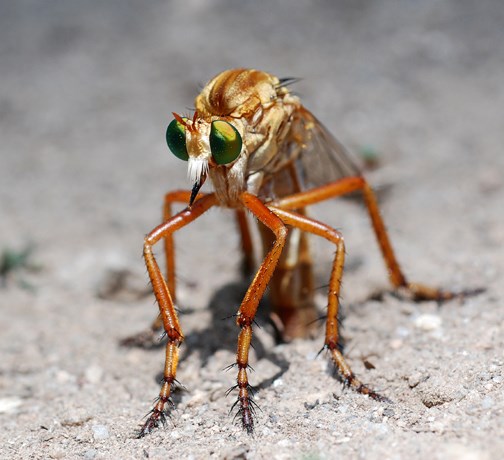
x=205, y=143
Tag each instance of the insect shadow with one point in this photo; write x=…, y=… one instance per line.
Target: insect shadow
x=221, y=333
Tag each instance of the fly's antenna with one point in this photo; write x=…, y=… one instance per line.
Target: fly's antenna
x=183, y=121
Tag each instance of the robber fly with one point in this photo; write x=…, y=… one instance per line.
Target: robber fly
x=265, y=154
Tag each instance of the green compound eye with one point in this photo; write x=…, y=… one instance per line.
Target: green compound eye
x=225, y=142
x=176, y=140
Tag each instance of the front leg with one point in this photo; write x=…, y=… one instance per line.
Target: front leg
x=247, y=247
x=167, y=311
x=149, y=338
x=248, y=307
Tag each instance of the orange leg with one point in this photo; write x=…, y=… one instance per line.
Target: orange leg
x=291, y=289
x=248, y=307
x=349, y=185
x=150, y=338
x=167, y=311
x=178, y=196
x=307, y=224
x=183, y=196
x=246, y=242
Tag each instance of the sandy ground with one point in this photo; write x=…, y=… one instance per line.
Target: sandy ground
x=86, y=90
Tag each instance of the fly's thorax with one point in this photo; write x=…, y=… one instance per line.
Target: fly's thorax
x=271, y=133
x=237, y=93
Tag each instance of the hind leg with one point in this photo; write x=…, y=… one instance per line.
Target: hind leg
x=358, y=183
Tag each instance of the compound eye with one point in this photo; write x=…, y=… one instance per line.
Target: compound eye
x=225, y=142
x=176, y=140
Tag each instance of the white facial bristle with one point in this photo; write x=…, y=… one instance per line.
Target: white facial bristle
x=196, y=168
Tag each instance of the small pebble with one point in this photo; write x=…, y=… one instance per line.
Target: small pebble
x=93, y=374
x=266, y=431
x=311, y=405
x=100, y=432
x=402, y=332
x=342, y=440
x=395, y=344
x=376, y=418
x=63, y=376
x=90, y=454
x=343, y=409
x=57, y=453
x=437, y=427
x=485, y=376
x=174, y=434
x=10, y=405
x=428, y=322
x=273, y=418
x=236, y=452
x=487, y=403
x=416, y=378
x=388, y=412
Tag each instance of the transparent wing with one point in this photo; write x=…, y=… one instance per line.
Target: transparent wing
x=322, y=158
x=309, y=157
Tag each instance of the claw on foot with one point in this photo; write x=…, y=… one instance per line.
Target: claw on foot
x=353, y=382
x=246, y=410
x=349, y=378
x=155, y=419
x=421, y=292
x=246, y=413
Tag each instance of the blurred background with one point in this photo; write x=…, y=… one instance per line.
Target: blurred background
x=87, y=89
